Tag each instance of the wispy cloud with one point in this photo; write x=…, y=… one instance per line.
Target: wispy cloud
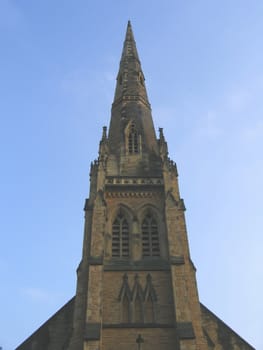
x=253, y=132
x=76, y=80
x=209, y=125
x=164, y=115
x=110, y=76
x=37, y=294
x=245, y=95
x=239, y=99
x=77, y=84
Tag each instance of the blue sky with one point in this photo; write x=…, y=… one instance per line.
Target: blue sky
x=203, y=66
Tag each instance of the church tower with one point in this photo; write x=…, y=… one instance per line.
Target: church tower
x=136, y=281
x=136, y=284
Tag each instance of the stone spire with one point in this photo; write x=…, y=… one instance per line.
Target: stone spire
x=131, y=113
x=130, y=79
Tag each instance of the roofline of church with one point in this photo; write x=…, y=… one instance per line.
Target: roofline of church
x=225, y=325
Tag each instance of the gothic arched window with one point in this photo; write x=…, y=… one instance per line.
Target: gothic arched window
x=133, y=139
x=120, y=237
x=150, y=237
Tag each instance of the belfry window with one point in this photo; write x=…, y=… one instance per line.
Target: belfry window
x=120, y=237
x=133, y=139
x=150, y=237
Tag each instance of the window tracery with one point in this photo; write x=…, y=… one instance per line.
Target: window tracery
x=133, y=139
x=120, y=237
x=150, y=237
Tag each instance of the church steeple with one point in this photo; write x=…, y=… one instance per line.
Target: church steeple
x=136, y=281
x=131, y=132
x=130, y=78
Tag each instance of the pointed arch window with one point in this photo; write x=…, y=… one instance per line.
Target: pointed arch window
x=120, y=237
x=150, y=237
x=133, y=139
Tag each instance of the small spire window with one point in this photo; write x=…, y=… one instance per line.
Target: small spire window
x=150, y=237
x=133, y=139
x=120, y=237
x=141, y=78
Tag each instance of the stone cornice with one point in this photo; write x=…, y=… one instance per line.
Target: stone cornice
x=143, y=181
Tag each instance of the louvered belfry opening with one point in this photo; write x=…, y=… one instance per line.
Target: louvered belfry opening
x=133, y=142
x=150, y=237
x=120, y=237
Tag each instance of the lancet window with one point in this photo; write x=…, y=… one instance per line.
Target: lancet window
x=137, y=305
x=150, y=237
x=120, y=237
x=133, y=139
x=137, y=297
x=150, y=299
x=125, y=309
x=138, y=314
x=125, y=299
x=149, y=310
